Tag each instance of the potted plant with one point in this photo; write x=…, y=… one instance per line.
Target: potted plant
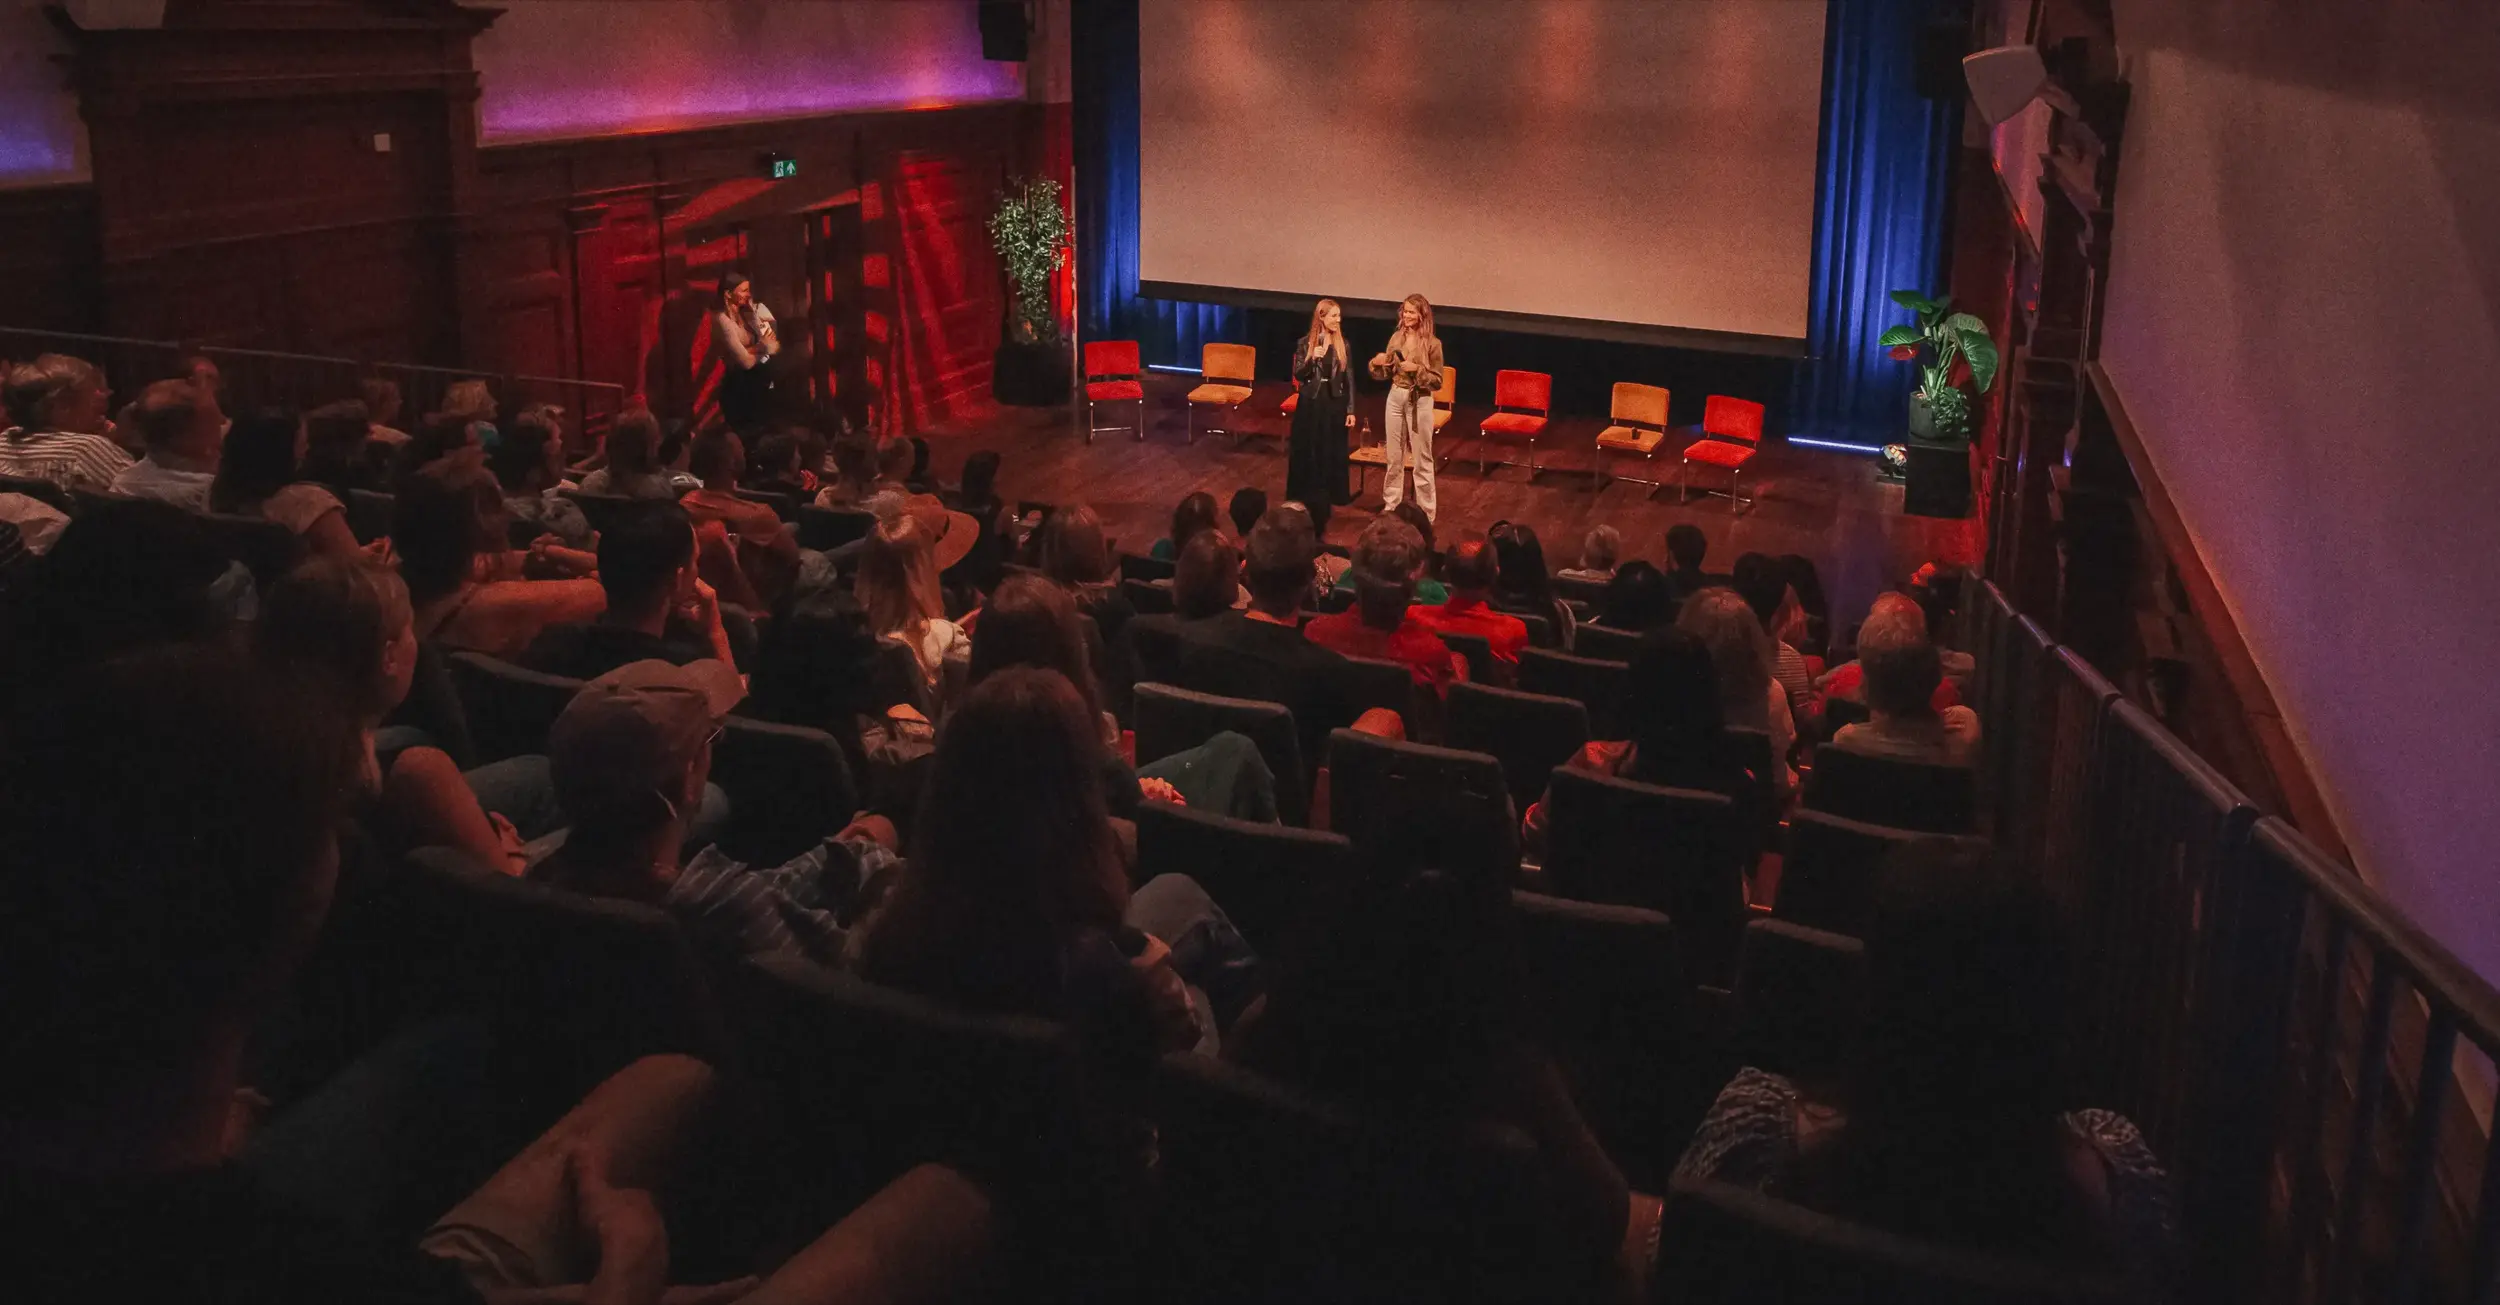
x=1936, y=458
x=1030, y=232
x=1940, y=409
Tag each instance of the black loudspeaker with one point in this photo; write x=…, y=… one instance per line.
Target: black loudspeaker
x=1941, y=45
x=1005, y=39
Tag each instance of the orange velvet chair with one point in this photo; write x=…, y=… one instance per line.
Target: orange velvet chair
x=1113, y=375
x=1731, y=432
x=1639, y=425
x=1521, y=403
x=1227, y=371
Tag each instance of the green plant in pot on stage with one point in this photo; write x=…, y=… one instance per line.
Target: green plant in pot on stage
x=1030, y=232
x=1940, y=409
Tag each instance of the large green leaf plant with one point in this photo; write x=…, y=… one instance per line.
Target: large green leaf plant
x=1941, y=338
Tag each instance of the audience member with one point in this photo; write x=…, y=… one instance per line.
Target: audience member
x=448, y=532
x=633, y=467
x=1032, y=622
x=382, y=404
x=1248, y=506
x=1597, y=556
x=1260, y=653
x=1407, y=1006
x=1902, y=675
x=1524, y=584
x=470, y=401
x=440, y=438
x=341, y=450
x=630, y=757
x=659, y=608
x=528, y=462
x=1472, y=569
x=1014, y=899
x=897, y=585
x=126, y=575
x=1381, y=624
x=1074, y=552
x=1748, y=697
x=1814, y=640
x=1675, y=734
x=35, y=525
x=1207, y=579
x=1847, y=681
x=257, y=477
x=1686, y=547
x=775, y=465
x=1429, y=591
x=1195, y=512
x=895, y=456
x=1946, y=1124
x=184, y=433
x=1759, y=580
x=163, y=931
x=345, y=622
x=854, y=473
x=767, y=551
x=58, y=425
x=1638, y=599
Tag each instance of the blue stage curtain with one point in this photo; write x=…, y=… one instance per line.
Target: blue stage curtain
x=1103, y=56
x=1882, y=172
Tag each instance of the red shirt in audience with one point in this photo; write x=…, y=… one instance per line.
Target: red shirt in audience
x=1413, y=643
x=1465, y=615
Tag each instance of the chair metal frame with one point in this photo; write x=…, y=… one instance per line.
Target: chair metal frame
x=1138, y=376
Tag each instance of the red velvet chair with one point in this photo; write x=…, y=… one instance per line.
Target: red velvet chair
x=1731, y=434
x=1521, y=403
x=1113, y=375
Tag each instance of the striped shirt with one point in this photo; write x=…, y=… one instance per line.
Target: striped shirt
x=801, y=907
x=88, y=462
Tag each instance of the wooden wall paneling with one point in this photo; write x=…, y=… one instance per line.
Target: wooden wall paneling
x=49, y=259
x=243, y=153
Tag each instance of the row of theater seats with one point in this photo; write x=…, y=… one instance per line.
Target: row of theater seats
x=1645, y=971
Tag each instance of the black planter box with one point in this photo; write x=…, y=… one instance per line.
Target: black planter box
x=1938, y=479
x=1030, y=375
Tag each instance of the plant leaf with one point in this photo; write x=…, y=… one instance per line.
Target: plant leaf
x=1895, y=336
x=1914, y=301
x=1982, y=353
x=1965, y=324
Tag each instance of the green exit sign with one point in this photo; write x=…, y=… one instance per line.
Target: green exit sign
x=781, y=167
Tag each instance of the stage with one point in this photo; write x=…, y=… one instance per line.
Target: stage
x=1824, y=504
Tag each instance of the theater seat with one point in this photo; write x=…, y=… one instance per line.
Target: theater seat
x=1292, y=401
x=1639, y=414
x=1227, y=370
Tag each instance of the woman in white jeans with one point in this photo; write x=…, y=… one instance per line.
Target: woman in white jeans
x=1412, y=365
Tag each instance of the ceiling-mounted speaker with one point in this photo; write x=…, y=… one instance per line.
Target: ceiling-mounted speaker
x=2004, y=79
x=1004, y=36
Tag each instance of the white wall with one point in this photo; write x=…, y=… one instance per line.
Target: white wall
x=2304, y=323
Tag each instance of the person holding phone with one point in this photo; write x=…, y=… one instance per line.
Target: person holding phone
x=1412, y=365
x=1315, y=473
x=743, y=335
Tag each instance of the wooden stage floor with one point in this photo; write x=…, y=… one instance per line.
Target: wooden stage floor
x=1825, y=504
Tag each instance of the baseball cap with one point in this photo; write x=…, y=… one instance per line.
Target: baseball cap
x=632, y=732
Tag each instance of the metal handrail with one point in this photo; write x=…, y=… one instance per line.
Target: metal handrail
x=2300, y=1054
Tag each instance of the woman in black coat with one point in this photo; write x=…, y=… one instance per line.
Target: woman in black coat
x=1315, y=475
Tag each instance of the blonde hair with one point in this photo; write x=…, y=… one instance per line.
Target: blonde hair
x=469, y=400
x=1336, y=338
x=898, y=579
